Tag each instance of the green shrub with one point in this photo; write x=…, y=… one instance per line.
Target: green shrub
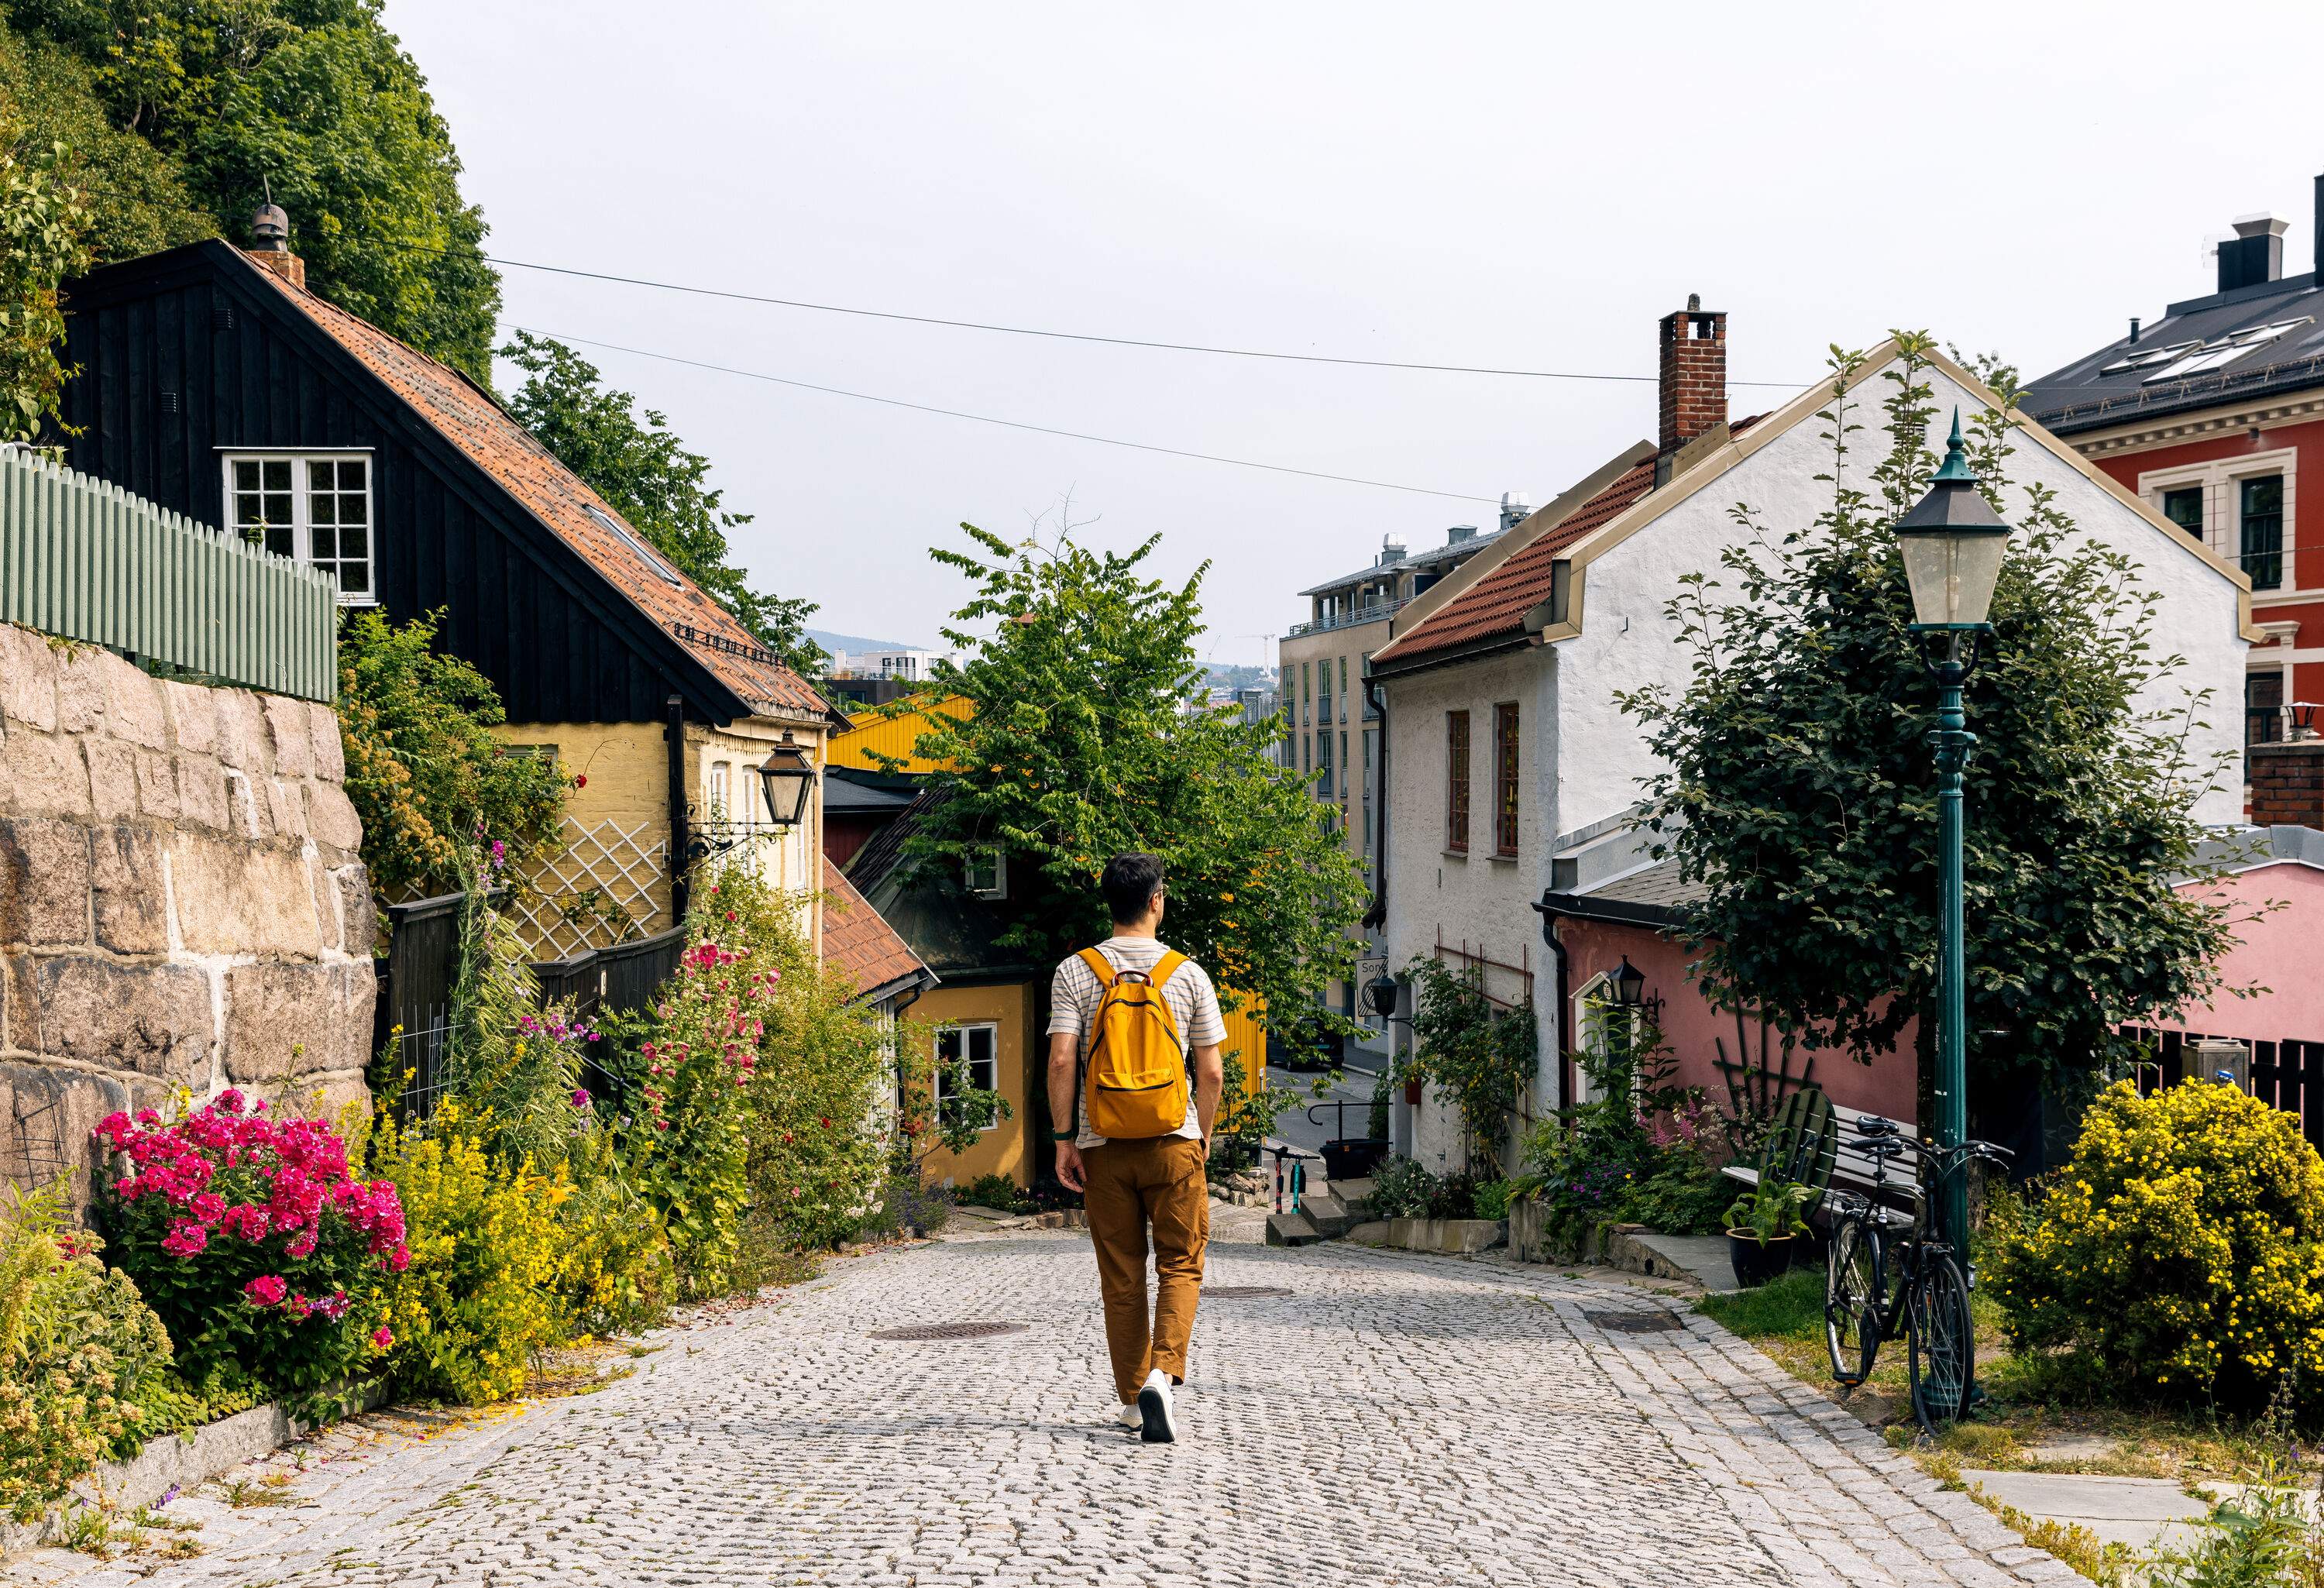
x=1402, y=1189
x=75, y=1341
x=1246, y=1119
x=1491, y=1200
x=2179, y=1253
x=996, y=1191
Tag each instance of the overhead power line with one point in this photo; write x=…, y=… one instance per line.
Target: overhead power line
x=986, y=419
x=972, y=325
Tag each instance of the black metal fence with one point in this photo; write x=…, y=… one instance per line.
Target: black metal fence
x=412, y=1021
x=2288, y=1074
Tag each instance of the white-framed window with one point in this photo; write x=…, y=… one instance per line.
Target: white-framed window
x=980, y=1046
x=314, y=506
x=715, y=789
x=638, y=548
x=1605, y=1026
x=2239, y=507
x=984, y=872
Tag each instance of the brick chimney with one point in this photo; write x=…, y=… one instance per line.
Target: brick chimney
x=270, y=245
x=2287, y=783
x=1694, y=373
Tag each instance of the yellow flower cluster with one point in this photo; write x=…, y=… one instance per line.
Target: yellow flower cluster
x=2182, y=1250
x=479, y=1301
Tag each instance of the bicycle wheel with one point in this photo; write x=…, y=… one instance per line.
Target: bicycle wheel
x=1851, y=1324
x=1943, y=1343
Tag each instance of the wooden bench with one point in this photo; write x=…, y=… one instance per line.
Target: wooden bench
x=1813, y=1141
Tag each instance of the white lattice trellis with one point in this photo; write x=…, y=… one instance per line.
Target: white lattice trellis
x=597, y=891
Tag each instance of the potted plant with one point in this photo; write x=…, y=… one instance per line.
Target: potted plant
x=1763, y=1227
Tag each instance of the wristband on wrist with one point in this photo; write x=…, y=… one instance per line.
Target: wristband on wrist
x=1064, y=1135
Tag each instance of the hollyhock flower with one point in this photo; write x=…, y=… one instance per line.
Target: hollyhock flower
x=266, y=1290
x=382, y=1337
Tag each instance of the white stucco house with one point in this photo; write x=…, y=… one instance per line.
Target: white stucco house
x=1503, y=747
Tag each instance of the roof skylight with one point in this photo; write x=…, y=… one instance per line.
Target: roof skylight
x=2219, y=354
x=646, y=554
x=2146, y=357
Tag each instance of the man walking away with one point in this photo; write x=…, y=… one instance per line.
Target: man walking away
x=1126, y=1017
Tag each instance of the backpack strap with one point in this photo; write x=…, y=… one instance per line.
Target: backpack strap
x=1100, y=966
x=1166, y=968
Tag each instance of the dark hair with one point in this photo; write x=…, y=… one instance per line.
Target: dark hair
x=1129, y=883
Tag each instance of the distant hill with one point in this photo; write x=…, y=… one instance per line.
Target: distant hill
x=857, y=642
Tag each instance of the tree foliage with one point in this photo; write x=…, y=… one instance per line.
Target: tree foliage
x=178, y=116
x=423, y=768
x=39, y=225
x=1080, y=745
x=646, y=472
x=1800, y=792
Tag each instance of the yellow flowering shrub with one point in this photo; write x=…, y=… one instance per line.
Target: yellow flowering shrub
x=2180, y=1251
x=481, y=1298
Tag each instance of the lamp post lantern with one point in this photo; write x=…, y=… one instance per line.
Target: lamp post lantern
x=1953, y=543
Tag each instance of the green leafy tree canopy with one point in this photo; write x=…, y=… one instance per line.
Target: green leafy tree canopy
x=1080, y=745
x=1800, y=792
x=646, y=472
x=314, y=100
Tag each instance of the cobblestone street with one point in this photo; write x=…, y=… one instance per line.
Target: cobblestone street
x=1396, y=1419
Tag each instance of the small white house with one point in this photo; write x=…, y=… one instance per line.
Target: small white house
x=1505, y=747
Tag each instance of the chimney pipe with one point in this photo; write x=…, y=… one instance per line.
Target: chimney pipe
x=270, y=245
x=1693, y=369
x=2255, y=254
x=2133, y=331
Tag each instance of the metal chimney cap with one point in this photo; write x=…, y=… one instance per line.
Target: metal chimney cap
x=2262, y=225
x=270, y=228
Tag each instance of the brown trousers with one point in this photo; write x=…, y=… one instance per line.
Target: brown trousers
x=1132, y=1185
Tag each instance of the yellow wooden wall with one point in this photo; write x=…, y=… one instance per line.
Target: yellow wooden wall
x=873, y=732
x=1245, y=1036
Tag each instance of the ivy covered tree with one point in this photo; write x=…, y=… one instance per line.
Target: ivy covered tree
x=1080, y=744
x=41, y=221
x=181, y=113
x=424, y=772
x=1800, y=797
x=646, y=472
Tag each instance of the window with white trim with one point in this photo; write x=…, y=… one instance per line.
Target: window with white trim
x=979, y=1047
x=985, y=873
x=715, y=789
x=2236, y=506
x=313, y=506
x=1608, y=1031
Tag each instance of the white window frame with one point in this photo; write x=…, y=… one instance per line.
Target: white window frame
x=1595, y=1012
x=715, y=791
x=999, y=886
x=302, y=529
x=991, y=1061
x=2222, y=481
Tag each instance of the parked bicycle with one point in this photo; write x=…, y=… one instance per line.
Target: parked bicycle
x=1884, y=1267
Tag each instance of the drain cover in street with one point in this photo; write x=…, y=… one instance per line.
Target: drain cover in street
x=980, y=1331
x=1242, y=1292
x=1633, y=1323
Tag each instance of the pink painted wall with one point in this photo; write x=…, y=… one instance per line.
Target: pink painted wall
x=2282, y=951
x=1696, y=1032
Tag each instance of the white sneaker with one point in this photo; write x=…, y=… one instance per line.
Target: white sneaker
x=1157, y=1425
x=1131, y=1418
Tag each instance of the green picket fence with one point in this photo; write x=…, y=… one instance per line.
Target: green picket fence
x=87, y=561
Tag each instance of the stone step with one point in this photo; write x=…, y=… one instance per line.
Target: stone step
x=1330, y=1215
x=1290, y=1229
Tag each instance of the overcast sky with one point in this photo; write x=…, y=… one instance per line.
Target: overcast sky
x=1520, y=185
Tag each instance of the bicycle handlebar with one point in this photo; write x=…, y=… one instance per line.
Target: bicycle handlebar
x=1888, y=1139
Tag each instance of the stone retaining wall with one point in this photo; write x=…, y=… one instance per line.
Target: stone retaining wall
x=181, y=904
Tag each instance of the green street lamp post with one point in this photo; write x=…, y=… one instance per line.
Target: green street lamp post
x=1953, y=543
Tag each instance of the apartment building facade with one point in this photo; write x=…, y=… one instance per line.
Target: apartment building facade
x=1331, y=729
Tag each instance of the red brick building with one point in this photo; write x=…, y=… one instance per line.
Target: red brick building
x=2215, y=415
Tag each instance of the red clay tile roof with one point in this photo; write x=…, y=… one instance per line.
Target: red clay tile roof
x=857, y=940
x=1496, y=604
x=507, y=451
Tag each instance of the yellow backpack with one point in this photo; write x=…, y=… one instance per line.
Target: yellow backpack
x=1136, y=1086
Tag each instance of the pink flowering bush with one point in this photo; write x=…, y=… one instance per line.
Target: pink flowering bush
x=253, y=1241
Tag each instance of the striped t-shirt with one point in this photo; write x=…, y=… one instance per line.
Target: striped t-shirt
x=1075, y=993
